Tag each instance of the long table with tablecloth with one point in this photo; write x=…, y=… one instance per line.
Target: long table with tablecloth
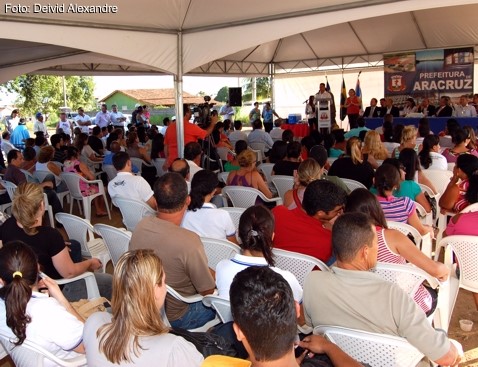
x=299, y=130
x=437, y=124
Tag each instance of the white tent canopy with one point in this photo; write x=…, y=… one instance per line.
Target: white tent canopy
x=198, y=37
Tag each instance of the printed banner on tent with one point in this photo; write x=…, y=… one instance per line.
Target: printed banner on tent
x=429, y=73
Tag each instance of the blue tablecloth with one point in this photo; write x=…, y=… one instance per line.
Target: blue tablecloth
x=437, y=124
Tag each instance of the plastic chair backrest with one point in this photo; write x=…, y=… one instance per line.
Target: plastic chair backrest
x=465, y=249
x=440, y=178
x=352, y=184
x=223, y=152
x=29, y=176
x=110, y=170
x=78, y=229
x=10, y=187
x=298, y=264
x=406, y=229
x=138, y=163
x=470, y=208
x=283, y=184
x=217, y=250
x=406, y=276
x=222, y=176
x=29, y=354
x=221, y=305
x=266, y=169
x=377, y=350
x=116, y=240
x=243, y=197
x=158, y=164
x=133, y=211
x=72, y=181
x=40, y=175
x=235, y=214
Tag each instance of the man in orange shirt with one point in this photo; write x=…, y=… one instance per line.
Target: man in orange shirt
x=192, y=133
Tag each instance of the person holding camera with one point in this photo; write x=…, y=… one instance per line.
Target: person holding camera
x=192, y=133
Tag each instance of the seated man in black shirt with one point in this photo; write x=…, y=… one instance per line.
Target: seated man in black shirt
x=95, y=142
x=291, y=163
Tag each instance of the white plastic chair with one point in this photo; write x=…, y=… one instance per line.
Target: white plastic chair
x=72, y=181
x=259, y=149
x=425, y=218
x=158, y=164
x=222, y=176
x=266, y=169
x=221, y=305
x=116, y=240
x=133, y=211
x=282, y=184
x=440, y=178
x=451, y=166
x=223, y=153
x=377, y=350
x=245, y=197
x=298, y=264
x=30, y=354
x=29, y=176
x=217, y=250
x=110, y=171
x=424, y=243
x=81, y=230
x=11, y=188
x=40, y=176
x=406, y=276
x=465, y=249
x=235, y=214
x=352, y=184
x=93, y=166
x=193, y=299
x=138, y=163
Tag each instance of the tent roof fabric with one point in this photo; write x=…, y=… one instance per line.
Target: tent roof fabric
x=192, y=37
x=156, y=97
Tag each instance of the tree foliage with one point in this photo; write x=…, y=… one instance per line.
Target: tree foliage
x=263, y=88
x=45, y=93
x=222, y=94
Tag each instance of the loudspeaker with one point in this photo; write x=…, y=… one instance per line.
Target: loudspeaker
x=235, y=96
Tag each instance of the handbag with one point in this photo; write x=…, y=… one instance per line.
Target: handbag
x=206, y=343
x=86, y=307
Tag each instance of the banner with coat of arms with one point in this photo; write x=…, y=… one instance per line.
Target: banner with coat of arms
x=429, y=73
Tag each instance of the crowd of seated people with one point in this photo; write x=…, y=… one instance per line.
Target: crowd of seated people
x=166, y=249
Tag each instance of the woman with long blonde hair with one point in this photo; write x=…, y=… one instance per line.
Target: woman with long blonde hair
x=352, y=166
x=373, y=148
x=134, y=334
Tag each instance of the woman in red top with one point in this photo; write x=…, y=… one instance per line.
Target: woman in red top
x=353, y=108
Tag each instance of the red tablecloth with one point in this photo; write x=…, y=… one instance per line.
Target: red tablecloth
x=299, y=130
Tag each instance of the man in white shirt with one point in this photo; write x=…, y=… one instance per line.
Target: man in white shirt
x=6, y=144
x=322, y=97
x=83, y=121
x=39, y=125
x=193, y=154
x=226, y=111
x=237, y=134
x=463, y=109
x=117, y=118
x=103, y=118
x=276, y=132
x=64, y=124
x=127, y=185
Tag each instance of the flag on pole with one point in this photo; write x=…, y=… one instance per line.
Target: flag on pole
x=358, y=90
x=327, y=86
x=343, y=98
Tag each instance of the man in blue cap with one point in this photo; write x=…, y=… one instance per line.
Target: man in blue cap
x=40, y=125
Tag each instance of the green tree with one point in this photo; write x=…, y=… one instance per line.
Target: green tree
x=222, y=94
x=45, y=92
x=263, y=88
